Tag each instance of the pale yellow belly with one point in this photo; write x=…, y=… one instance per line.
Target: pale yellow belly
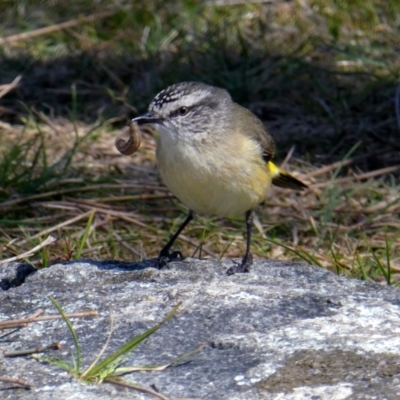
x=211, y=184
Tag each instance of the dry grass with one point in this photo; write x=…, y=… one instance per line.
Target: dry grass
x=322, y=78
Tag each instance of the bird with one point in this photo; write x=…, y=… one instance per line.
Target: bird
x=214, y=155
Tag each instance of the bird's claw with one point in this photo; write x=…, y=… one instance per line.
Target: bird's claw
x=243, y=267
x=164, y=258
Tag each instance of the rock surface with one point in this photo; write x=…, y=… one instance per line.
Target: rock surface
x=283, y=331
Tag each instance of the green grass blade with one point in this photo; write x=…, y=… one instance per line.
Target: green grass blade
x=55, y=361
x=381, y=267
x=361, y=266
x=175, y=361
x=85, y=235
x=121, y=382
x=78, y=360
x=335, y=259
x=128, y=347
x=307, y=257
x=388, y=263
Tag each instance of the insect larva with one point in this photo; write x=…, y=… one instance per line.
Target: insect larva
x=129, y=146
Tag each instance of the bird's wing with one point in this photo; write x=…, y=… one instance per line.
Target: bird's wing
x=253, y=126
x=260, y=134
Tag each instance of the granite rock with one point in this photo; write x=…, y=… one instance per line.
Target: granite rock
x=283, y=331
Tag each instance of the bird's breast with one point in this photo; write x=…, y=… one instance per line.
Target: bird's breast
x=213, y=176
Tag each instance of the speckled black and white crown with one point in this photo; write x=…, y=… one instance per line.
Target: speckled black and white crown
x=191, y=91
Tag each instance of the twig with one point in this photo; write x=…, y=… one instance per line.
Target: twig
x=58, y=226
x=397, y=105
x=328, y=168
x=144, y=197
x=4, y=89
x=56, y=27
x=24, y=321
x=126, y=245
x=49, y=240
x=128, y=218
x=16, y=381
x=343, y=163
x=25, y=352
x=114, y=77
x=288, y=157
x=51, y=124
x=36, y=314
x=196, y=244
x=360, y=177
x=122, y=215
x=211, y=3
x=5, y=125
x=384, y=140
x=120, y=186
x=101, y=209
x=93, y=203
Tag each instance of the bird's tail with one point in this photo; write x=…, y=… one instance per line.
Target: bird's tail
x=283, y=179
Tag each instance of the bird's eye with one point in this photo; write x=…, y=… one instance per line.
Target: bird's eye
x=183, y=111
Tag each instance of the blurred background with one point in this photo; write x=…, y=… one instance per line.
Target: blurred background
x=322, y=75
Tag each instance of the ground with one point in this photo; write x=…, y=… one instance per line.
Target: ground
x=322, y=76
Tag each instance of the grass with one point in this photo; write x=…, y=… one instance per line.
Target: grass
x=321, y=75
x=109, y=369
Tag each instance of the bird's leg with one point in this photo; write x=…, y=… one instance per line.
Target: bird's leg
x=248, y=258
x=165, y=256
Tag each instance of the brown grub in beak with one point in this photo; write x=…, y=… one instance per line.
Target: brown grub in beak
x=129, y=146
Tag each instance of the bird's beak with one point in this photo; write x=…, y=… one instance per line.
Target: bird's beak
x=148, y=118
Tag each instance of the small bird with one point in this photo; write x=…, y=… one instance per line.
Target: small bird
x=214, y=156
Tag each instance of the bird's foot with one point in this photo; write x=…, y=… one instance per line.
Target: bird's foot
x=244, y=266
x=165, y=257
